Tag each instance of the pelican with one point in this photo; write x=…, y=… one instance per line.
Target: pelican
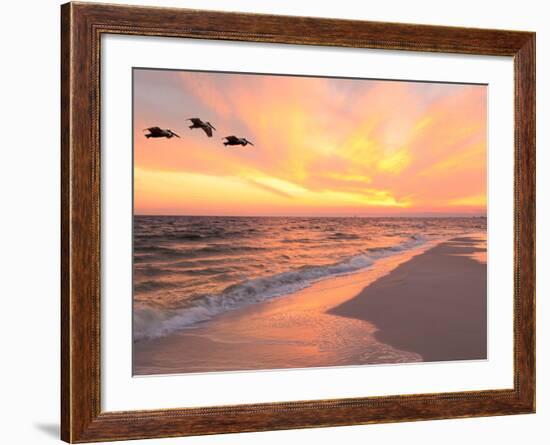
x=234, y=140
x=207, y=127
x=157, y=132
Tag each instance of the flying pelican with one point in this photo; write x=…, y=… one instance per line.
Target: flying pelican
x=234, y=140
x=157, y=132
x=207, y=127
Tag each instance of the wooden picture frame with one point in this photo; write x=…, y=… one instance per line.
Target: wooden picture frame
x=82, y=25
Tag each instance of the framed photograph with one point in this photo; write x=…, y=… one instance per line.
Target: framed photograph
x=274, y=222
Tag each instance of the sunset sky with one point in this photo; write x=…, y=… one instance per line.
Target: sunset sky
x=323, y=146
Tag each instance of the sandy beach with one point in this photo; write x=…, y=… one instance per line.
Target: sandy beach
x=427, y=304
x=434, y=305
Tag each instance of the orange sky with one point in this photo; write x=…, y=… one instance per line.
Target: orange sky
x=327, y=147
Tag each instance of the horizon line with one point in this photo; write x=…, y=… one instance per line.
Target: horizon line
x=322, y=216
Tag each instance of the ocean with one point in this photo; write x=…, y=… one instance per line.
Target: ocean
x=188, y=270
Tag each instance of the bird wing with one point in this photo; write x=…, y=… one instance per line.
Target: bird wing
x=207, y=130
x=211, y=126
x=232, y=138
x=195, y=120
x=153, y=129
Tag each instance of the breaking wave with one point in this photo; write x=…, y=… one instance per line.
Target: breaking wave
x=153, y=322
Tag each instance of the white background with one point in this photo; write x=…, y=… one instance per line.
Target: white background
x=121, y=392
x=29, y=185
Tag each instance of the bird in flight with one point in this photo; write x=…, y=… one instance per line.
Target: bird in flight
x=234, y=140
x=157, y=132
x=207, y=127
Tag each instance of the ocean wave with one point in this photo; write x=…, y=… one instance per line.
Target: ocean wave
x=297, y=240
x=343, y=236
x=152, y=322
x=146, y=236
x=148, y=252
x=227, y=248
x=185, y=236
x=148, y=286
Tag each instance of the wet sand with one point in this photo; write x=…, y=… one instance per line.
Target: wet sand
x=434, y=305
x=424, y=305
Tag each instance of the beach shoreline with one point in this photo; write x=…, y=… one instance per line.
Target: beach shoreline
x=434, y=305
x=333, y=323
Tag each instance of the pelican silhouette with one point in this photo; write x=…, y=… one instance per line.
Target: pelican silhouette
x=207, y=127
x=157, y=132
x=234, y=140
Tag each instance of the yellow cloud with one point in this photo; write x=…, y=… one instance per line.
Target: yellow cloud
x=349, y=177
x=164, y=191
x=470, y=201
x=396, y=162
x=472, y=156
